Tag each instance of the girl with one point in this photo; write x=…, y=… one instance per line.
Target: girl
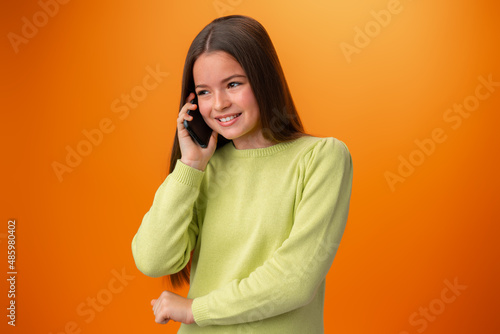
x=260, y=212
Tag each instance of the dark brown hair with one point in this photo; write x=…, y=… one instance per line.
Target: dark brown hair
x=247, y=41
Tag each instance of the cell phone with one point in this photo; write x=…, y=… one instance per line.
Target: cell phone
x=197, y=128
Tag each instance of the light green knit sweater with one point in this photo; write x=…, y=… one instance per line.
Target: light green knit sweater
x=264, y=224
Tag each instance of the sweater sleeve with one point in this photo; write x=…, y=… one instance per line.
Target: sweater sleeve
x=168, y=231
x=289, y=279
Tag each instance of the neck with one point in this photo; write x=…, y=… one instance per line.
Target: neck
x=247, y=143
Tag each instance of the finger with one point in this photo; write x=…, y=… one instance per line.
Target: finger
x=153, y=302
x=180, y=124
x=190, y=97
x=183, y=113
x=213, y=140
x=156, y=306
x=162, y=321
x=161, y=318
x=186, y=116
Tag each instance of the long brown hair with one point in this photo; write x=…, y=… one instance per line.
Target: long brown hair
x=247, y=41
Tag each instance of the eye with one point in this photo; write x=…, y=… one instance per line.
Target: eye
x=202, y=92
x=234, y=84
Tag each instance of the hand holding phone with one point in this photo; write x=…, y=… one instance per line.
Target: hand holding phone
x=197, y=128
x=192, y=153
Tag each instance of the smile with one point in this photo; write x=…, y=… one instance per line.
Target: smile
x=227, y=119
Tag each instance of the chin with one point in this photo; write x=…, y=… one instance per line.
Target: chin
x=228, y=133
x=228, y=136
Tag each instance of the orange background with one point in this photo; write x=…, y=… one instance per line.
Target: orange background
x=400, y=244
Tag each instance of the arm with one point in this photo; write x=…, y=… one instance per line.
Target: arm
x=290, y=278
x=169, y=230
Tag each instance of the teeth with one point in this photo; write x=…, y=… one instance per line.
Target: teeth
x=227, y=119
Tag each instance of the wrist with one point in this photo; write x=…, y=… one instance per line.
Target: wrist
x=195, y=164
x=189, y=312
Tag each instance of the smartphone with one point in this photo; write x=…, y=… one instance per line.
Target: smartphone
x=197, y=128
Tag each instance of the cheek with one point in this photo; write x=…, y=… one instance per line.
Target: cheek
x=205, y=108
x=248, y=102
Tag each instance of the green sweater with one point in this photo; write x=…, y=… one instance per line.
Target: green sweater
x=264, y=225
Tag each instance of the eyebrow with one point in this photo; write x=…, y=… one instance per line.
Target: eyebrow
x=225, y=80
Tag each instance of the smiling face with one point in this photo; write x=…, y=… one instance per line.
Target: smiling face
x=226, y=100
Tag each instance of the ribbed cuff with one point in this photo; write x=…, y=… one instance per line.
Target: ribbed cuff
x=200, y=311
x=187, y=175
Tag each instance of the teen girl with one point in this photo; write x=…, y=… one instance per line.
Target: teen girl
x=257, y=215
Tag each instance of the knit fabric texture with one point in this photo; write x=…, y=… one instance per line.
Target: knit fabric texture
x=264, y=226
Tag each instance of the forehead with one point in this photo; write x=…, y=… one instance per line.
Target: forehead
x=216, y=65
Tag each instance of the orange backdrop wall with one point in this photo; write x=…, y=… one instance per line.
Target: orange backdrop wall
x=412, y=87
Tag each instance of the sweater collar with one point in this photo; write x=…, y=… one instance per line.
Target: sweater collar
x=260, y=152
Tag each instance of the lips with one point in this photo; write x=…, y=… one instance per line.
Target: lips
x=228, y=119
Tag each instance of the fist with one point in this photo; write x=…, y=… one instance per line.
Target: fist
x=171, y=306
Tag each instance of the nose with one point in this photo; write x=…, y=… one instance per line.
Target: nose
x=221, y=101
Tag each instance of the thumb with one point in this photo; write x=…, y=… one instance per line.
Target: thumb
x=212, y=143
x=153, y=302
